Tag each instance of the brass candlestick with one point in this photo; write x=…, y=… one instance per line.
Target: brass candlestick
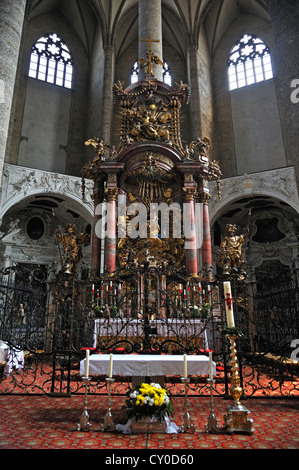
x=212, y=426
x=84, y=424
x=187, y=421
x=108, y=424
x=236, y=419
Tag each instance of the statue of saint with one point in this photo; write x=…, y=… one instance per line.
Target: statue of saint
x=231, y=256
x=72, y=252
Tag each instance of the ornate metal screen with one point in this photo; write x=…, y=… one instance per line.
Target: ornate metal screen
x=47, y=322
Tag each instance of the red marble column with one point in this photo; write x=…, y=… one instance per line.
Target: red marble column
x=95, y=241
x=206, y=241
x=95, y=250
x=190, y=236
x=111, y=239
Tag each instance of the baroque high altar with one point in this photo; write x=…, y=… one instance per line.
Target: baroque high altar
x=139, y=266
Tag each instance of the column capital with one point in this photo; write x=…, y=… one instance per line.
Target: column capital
x=189, y=194
x=111, y=194
x=204, y=197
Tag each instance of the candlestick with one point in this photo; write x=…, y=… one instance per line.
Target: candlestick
x=228, y=304
x=212, y=426
x=87, y=363
x=211, y=365
x=185, y=366
x=84, y=424
x=237, y=417
x=110, y=365
x=108, y=423
x=187, y=421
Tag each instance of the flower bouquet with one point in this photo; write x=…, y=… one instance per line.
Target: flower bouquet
x=148, y=408
x=148, y=400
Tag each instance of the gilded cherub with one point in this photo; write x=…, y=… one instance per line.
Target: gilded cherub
x=99, y=146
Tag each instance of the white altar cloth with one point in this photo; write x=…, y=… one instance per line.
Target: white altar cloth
x=13, y=358
x=146, y=365
x=134, y=328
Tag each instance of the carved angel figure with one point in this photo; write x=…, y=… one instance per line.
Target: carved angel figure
x=231, y=255
x=72, y=252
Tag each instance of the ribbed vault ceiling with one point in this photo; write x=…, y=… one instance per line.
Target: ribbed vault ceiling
x=183, y=20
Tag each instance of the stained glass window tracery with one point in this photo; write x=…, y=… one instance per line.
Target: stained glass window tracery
x=51, y=61
x=249, y=62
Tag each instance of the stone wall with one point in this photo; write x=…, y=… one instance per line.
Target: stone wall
x=228, y=109
x=76, y=134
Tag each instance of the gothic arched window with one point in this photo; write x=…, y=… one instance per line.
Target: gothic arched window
x=51, y=61
x=249, y=62
x=134, y=72
x=166, y=73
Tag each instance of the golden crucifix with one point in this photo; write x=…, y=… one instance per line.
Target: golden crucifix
x=150, y=55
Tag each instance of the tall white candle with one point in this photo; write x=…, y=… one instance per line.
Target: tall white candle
x=229, y=304
x=185, y=366
x=211, y=365
x=110, y=365
x=87, y=363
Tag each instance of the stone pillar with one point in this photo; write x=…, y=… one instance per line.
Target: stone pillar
x=285, y=20
x=11, y=26
x=193, y=80
x=190, y=231
x=150, y=27
x=108, y=93
x=111, y=238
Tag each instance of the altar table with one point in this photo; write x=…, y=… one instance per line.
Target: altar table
x=146, y=365
x=134, y=328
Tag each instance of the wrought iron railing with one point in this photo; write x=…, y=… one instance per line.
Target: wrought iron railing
x=44, y=341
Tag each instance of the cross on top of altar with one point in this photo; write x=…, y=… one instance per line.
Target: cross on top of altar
x=150, y=54
x=149, y=40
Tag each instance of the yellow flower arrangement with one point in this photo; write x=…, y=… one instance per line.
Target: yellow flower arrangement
x=148, y=400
